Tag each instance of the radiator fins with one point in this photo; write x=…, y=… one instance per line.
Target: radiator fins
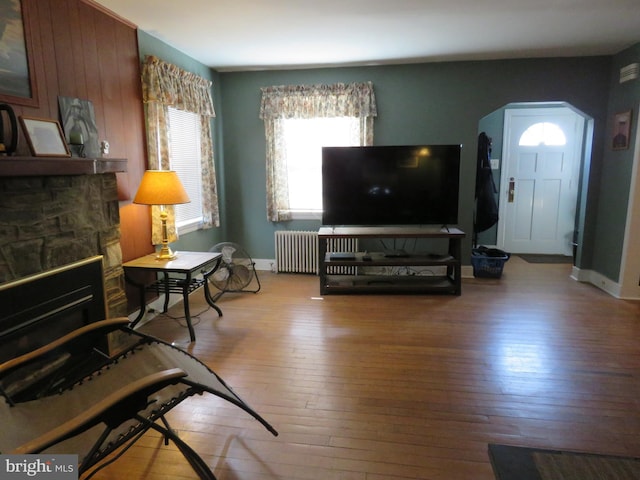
x=297, y=252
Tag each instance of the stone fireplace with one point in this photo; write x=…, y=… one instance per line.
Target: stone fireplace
x=53, y=220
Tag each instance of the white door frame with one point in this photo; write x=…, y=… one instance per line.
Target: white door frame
x=504, y=174
x=630, y=261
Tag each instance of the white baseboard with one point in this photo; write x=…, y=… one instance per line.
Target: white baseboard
x=598, y=280
x=467, y=271
x=266, y=264
x=154, y=309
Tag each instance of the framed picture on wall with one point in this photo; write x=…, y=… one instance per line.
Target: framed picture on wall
x=17, y=81
x=79, y=125
x=45, y=137
x=621, y=130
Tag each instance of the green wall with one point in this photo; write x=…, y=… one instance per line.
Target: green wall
x=418, y=103
x=493, y=126
x=427, y=103
x=615, y=171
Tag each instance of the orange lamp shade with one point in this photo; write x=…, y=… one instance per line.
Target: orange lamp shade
x=161, y=187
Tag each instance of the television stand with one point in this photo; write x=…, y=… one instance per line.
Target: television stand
x=396, y=253
x=336, y=256
x=449, y=282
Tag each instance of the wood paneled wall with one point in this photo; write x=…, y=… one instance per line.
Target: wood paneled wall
x=80, y=50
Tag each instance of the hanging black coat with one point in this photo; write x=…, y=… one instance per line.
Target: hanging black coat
x=486, y=213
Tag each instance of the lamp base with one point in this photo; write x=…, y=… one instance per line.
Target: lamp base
x=166, y=253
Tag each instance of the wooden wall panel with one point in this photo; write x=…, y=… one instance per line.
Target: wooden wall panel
x=63, y=24
x=133, y=138
x=79, y=50
x=44, y=58
x=90, y=59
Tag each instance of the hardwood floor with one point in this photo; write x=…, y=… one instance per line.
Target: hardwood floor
x=403, y=387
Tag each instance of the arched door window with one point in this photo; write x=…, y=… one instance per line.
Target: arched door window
x=543, y=133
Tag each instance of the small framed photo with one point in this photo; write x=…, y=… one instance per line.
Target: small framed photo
x=45, y=137
x=621, y=130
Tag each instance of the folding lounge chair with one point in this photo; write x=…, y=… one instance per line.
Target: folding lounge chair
x=49, y=408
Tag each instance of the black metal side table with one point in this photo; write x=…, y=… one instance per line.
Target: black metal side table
x=184, y=268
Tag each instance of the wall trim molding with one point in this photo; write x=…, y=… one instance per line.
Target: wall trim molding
x=600, y=281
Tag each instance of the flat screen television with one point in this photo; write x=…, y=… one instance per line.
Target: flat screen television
x=390, y=185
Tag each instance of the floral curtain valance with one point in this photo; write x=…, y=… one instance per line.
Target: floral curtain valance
x=168, y=84
x=312, y=101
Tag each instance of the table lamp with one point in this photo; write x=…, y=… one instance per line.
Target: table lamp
x=161, y=187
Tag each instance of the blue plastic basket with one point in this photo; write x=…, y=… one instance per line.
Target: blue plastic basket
x=485, y=266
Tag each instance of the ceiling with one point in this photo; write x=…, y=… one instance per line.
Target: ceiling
x=236, y=35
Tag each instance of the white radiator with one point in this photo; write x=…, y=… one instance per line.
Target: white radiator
x=297, y=252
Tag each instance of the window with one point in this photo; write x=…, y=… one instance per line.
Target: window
x=179, y=112
x=298, y=121
x=185, y=159
x=303, y=142
x=543, y=133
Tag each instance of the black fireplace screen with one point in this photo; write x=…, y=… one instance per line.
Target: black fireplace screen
x=39, y=309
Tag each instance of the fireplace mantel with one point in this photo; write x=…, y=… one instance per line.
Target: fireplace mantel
x=45, y=166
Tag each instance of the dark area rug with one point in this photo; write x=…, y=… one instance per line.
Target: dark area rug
x=519, y=463
x=536, y=258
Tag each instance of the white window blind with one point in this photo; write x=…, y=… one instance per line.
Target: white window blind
x=186, y=161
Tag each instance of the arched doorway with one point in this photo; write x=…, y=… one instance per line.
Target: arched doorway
x=540, y=155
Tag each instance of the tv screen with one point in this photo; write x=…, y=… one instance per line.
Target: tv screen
x=390, y=185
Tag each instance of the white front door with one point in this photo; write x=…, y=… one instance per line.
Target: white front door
x=539, y=182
